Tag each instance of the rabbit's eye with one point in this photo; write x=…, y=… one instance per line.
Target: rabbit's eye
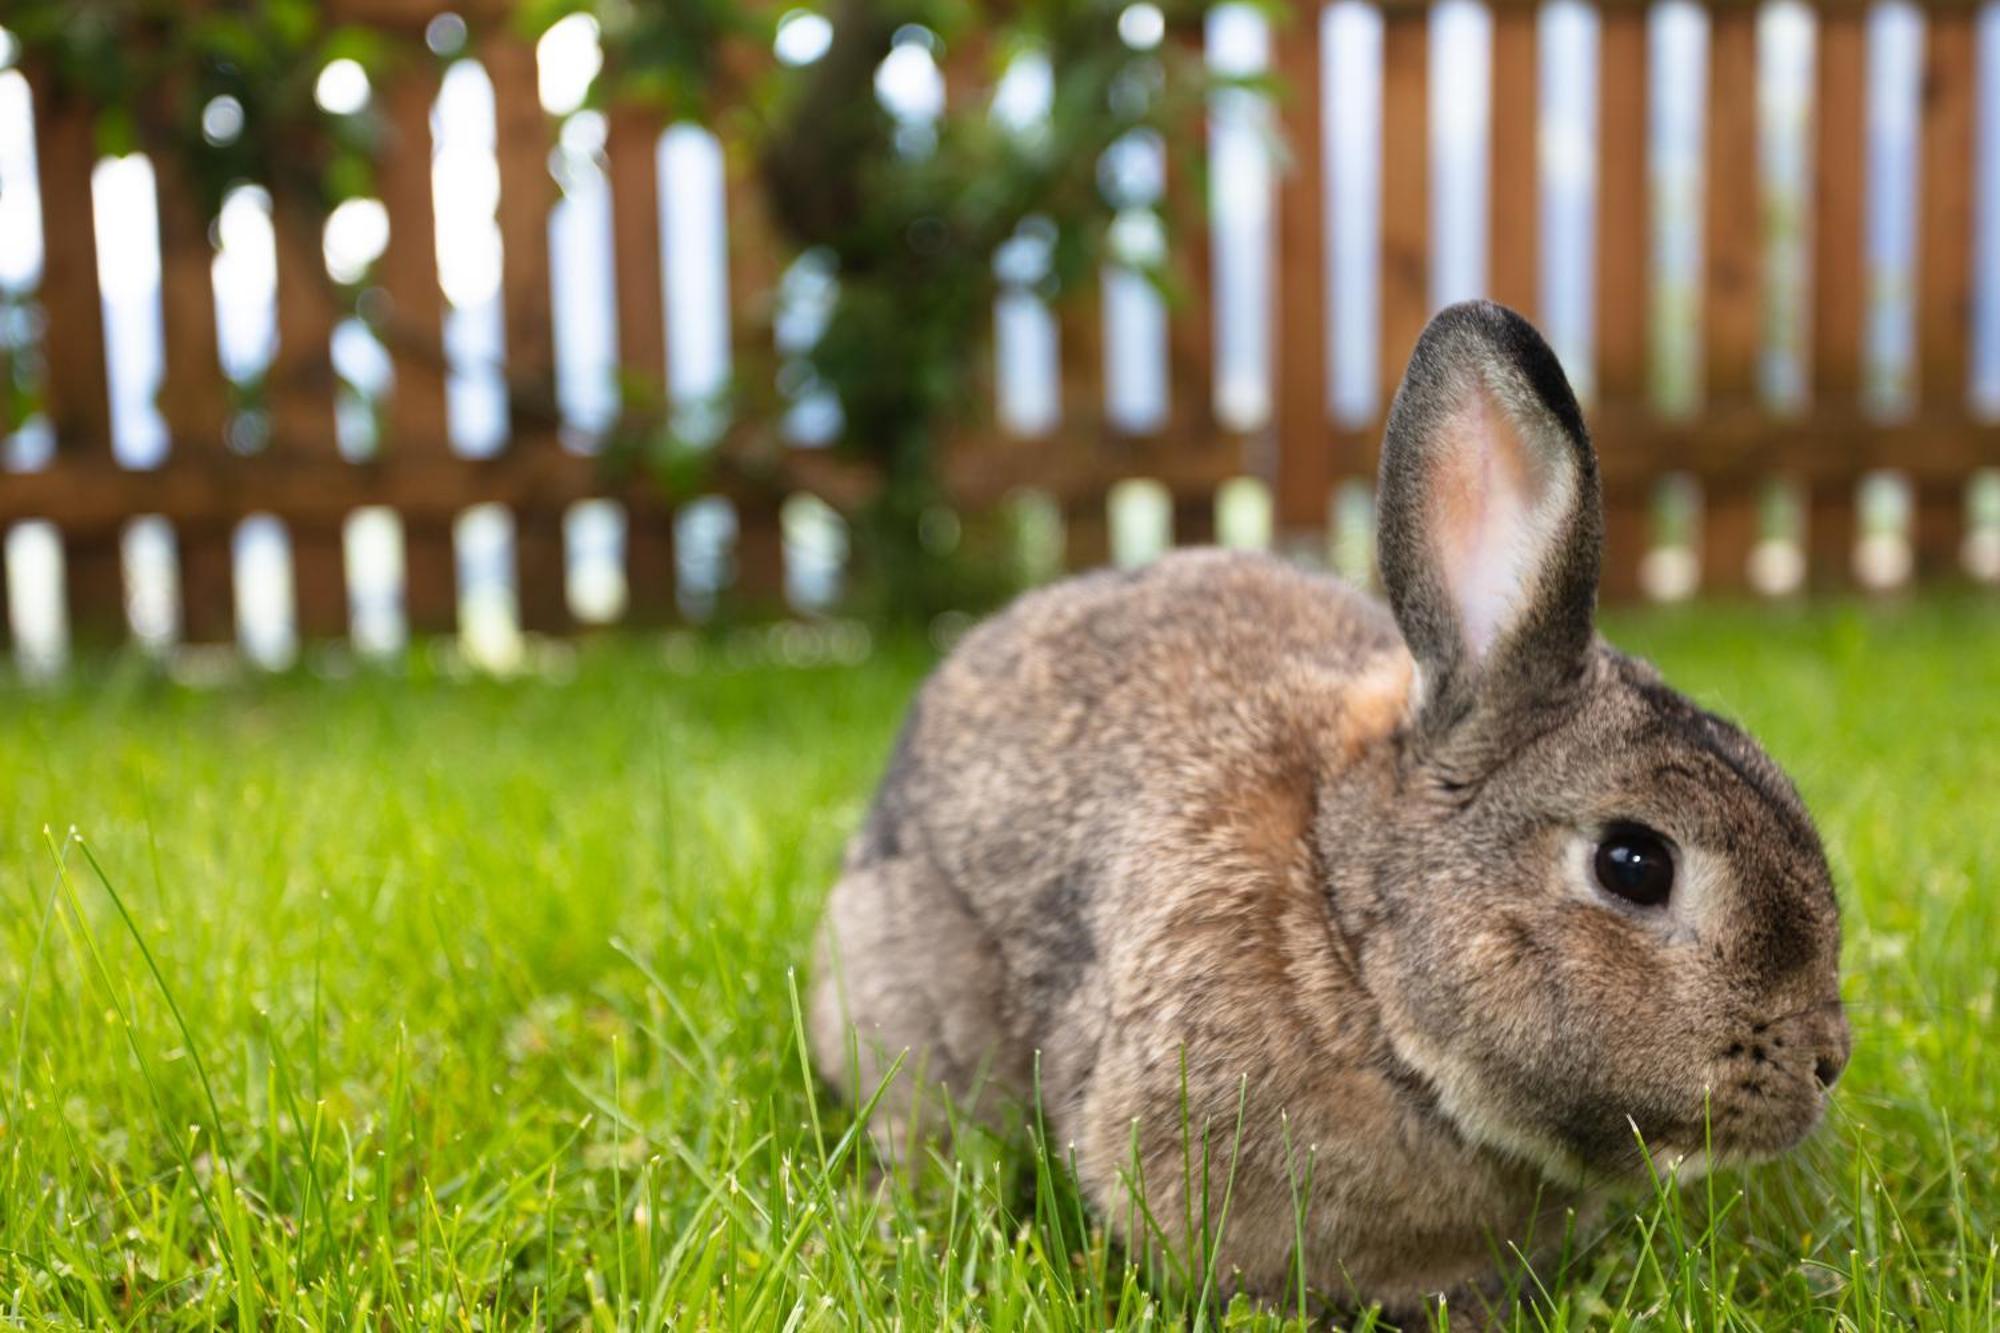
x=1635, y=863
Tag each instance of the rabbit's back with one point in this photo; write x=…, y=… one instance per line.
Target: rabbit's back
x=1086, y=728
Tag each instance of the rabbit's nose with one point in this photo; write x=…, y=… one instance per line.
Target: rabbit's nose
x=1835, y=1046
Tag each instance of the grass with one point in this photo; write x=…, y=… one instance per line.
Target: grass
x=420, y=1002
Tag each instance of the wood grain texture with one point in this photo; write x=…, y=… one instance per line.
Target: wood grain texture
x=193, y=398
x=632, y=151
x=1839, y=281
x=1839, y=109
x=1304, y=464
x=1637, y=446
x=524, y=138
x=1514, y=232
x=1733, y=288
x=1944, y=263
x=651, y=571
x=1191, y=313
x=301, y=377
x=94, y=586
x=413, y=323
x=78, y=398
x=1624, y=209
x=1944, y=242
x=1733, y=240
x=1628, y=537
x=417, y=421
x=207, y=559
x=756, y=264
x=301, y=405
x=1406, y=195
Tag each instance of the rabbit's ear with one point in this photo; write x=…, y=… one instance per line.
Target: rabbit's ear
x=1491, y=527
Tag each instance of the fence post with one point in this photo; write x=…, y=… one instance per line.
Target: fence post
x=79, y=394
x=1944, y=266
x=1299, y=351
x=1624, y=238
x=1839, y=110
x=418, y=422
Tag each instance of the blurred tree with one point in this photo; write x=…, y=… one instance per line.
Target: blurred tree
x=902, y=214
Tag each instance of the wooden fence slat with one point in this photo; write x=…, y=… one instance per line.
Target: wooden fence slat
x=1305, y=458
x=632, y=151
x=1080, y=360
x=1087, y=531
x=1732, y=299
x=79, y=394
x=78, y=398
x=756, y=266
x=651, y=568
x=301, y=379
x=758, y=586
x=1944, y=261
x=1732, y=311
x=1839, y=111
x=1623, y=278
x=1624, y=208
x=1191, y=317
x=301, y=404
x=1514, y=230
x=1406, y=169
x=523, y=139
x=417, y=420
x=193, y=398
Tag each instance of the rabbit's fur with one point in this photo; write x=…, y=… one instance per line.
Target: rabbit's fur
x=1224, y=828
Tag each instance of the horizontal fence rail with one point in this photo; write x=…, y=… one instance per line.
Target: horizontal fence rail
x=1779, y=476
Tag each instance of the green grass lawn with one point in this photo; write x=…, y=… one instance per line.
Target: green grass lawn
x=426, y=1002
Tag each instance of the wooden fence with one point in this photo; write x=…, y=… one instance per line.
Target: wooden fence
x=1733, y=446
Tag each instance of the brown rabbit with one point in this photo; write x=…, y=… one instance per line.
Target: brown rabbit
x=1456, y=895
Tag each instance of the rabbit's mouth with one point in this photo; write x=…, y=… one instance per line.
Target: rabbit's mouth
x=1745, y=1119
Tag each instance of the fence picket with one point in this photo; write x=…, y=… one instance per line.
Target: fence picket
x=1732, y=302
x=1299, y=347
x=1514, y=210
x=523, y=139
x=1623, y=279
x=192, y=399
x=632, y=152
x=1944, y=262
x=1839, y=111
x=417, y=420
x=1406, y=171
x=78, y=400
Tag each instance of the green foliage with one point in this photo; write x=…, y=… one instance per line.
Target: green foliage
x=150, y=67
x=467, y=1003
x=908, y=220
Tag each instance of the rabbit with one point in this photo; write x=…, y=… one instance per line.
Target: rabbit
x=1451, y=897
